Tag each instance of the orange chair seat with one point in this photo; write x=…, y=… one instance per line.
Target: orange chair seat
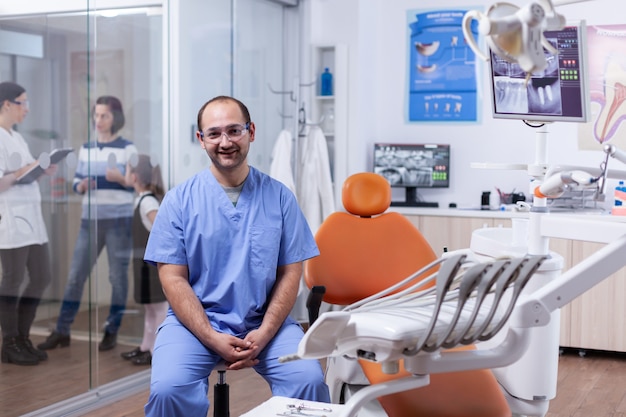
x=466, y=394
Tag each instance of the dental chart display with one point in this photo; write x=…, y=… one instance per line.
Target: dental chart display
x=558, y=93
x=413, y=166
x=442, y=68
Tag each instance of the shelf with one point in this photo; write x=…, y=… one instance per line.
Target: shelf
x=332, y=110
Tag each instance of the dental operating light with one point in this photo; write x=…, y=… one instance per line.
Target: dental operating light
x=516, y=33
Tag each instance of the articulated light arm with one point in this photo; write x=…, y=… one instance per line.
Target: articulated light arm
x=616, y=153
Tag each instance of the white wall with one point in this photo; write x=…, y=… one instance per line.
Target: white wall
x=376, y=34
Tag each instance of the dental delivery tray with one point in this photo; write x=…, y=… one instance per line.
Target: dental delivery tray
x=462, y=308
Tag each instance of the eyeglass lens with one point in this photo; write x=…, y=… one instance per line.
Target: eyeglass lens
x=232, y=132
x=21, y=103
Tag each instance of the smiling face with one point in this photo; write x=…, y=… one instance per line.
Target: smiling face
x=229, y=157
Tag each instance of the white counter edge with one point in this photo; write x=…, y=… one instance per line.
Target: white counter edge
x=444, y=212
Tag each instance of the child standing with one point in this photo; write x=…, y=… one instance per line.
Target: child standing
x=148, y=183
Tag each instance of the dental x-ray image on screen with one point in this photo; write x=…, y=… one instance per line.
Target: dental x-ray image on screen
x=558, y=93
x=413, y=166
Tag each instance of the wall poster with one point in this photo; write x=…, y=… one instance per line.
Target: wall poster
x=442, y=68
x=606, y=77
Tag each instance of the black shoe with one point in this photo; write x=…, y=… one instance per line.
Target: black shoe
x=108, y=341
x=54, y=340
x=28, y=345
x=144, y=358
x=132, y=354
x=14, y=351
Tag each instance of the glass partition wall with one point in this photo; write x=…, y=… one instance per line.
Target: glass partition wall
x=162, y=61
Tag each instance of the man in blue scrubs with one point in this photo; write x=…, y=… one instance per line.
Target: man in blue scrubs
x=229, y=244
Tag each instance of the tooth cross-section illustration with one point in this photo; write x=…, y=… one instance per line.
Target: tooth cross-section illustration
x=614, y=109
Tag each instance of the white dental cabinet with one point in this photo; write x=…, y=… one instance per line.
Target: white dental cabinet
x=596, y=320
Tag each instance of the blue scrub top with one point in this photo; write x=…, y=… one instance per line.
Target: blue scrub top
x=232, y=252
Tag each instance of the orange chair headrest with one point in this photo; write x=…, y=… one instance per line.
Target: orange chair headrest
x=366, y=194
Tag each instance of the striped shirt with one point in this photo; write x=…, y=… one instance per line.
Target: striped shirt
x=108, y=200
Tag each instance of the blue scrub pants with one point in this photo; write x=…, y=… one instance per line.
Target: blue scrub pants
x=181, y=366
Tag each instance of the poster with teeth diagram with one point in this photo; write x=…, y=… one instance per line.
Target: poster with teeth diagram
x=606, y=75
x=442, y=68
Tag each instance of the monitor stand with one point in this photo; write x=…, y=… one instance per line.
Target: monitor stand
x=412, y=199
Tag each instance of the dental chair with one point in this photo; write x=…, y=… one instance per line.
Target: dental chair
x=363, y=252
x=471, y=301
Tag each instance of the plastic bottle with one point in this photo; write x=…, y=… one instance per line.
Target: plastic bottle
x=326, y=81
x=618, y=200
x=619, y=208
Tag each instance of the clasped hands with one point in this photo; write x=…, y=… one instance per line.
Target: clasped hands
x=240, y=353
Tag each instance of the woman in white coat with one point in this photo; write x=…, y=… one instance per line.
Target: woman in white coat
x=23, y=236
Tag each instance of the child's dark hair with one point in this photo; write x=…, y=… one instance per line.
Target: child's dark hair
x=149, y=175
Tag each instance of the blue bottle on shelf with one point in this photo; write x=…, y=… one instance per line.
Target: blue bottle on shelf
x=326, y=81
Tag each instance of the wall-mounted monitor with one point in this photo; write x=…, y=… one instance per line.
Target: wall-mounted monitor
x=413, y=166
x=559, y=93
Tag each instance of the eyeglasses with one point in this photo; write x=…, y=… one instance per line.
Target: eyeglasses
x=20, y=103
x=233, y=133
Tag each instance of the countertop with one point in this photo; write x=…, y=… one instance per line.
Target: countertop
x=456, y=212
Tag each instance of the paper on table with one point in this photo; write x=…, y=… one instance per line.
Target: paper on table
x=281, y=406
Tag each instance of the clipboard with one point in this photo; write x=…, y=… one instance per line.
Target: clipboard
x=37, y=171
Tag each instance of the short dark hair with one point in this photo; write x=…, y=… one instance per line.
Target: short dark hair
x=10, y=91
x=242, y=107
x=115, y=106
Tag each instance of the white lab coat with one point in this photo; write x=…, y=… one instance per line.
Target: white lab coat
x=280, y=167
x=315, y=186
x=315, y=197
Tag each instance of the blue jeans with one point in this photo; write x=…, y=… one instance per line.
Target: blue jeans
x=92, y=237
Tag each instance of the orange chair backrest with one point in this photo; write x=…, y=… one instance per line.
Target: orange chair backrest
x=365, y=250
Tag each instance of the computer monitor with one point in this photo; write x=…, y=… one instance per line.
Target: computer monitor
x=557, y=94
x=413, y=166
